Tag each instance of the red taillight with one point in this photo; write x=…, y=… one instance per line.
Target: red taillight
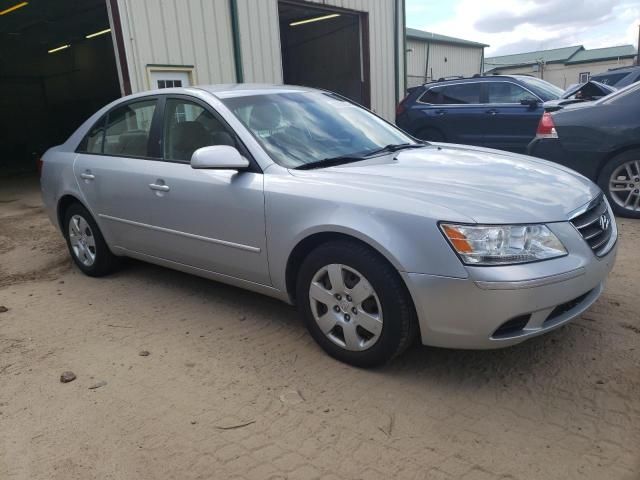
x=546, y=127
x=401, y=108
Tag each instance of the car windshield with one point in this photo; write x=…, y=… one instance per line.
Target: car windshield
x=303, y=128
x=546, y=90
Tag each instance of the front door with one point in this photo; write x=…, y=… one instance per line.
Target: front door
x=209, y=219
x=113, y=171
x=510, y=125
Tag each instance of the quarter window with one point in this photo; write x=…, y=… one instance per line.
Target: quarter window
x=128, y=128
x=465, y=93
x=188, y=127
x=505, y=92
x=432, y=96
x=94, y=139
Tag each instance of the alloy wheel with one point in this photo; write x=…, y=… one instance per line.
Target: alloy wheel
x=624, y=185
x=83, y=242
x=346, y=307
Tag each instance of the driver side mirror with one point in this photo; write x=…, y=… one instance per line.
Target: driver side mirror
x=529, y=102
x=218, y=157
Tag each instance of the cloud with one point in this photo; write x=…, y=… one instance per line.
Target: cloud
x=515, y=26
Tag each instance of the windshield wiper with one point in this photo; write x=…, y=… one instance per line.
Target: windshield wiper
x=395, y=147
x=331, y=162
x=343, y=159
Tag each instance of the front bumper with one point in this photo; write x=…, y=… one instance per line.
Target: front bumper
x=538, y=297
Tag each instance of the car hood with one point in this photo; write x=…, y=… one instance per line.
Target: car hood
x=485, y=185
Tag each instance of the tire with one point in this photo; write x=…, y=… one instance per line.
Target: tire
x=86, y=244
x=622, y=173
x=430, y=135
x=388, y=300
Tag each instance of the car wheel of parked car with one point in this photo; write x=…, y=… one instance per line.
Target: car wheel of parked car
x=355, y=304
x=431, y=135
x=620, y=180
x=86, y=243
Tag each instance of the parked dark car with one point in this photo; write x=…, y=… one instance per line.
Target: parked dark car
x=619, y=77
x=497, y=111
x=581, y=92
x=601, y=140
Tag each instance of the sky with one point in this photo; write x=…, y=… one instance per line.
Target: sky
x=516, y=26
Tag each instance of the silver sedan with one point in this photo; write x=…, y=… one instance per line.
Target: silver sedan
x=301, y=195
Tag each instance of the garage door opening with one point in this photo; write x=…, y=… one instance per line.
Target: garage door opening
x=57, y=67
x=325, y=48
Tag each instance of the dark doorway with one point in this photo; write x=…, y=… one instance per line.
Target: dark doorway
x=325, y=48
x=52, y=76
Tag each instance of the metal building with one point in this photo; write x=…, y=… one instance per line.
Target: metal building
x=431, y=56
x=61, y=60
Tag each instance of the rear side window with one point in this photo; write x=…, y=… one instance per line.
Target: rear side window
x=465, y=93
x=505, y=92
x=432, y=96
x=94, y=139
x=128, y=128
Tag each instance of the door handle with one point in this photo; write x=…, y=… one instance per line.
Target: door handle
x=87, y=176
x=440, y=112
x=160, y=188
x=492, y=112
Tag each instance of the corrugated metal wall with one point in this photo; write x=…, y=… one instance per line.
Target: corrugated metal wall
x=178, y=32
x=460, y=60
x=198, y=33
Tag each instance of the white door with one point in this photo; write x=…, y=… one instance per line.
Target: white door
x=169, y=79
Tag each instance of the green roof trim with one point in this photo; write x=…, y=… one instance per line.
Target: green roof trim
x=436, y=37
x=555, y=55
x=567, y=55
x=601, y=54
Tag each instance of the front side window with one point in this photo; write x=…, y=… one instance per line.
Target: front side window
x=188, y=127
x=300, y=128
x=128, y=128
x=505, y=92
x=464, y=93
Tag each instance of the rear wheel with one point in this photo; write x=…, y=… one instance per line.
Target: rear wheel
x=620, y=180
x=86, y=243
x=430, y=135
x=355, y=304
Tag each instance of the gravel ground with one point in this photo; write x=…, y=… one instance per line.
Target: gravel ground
x=180, y=377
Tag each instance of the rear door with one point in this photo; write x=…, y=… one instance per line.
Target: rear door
x=509, y=125
x=113, y=169
x=462, y=113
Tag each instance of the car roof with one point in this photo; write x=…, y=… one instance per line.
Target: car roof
x=480, y=78
x=627, y=69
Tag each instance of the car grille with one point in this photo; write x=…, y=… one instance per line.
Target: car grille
x=595, y=225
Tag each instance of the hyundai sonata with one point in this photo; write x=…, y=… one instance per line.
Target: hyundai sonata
x=304, y=196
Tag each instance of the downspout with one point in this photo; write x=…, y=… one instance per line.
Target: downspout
x=482, y=63
x=235, y=30
x=396, y=43
x=404, y=42
x=426, y=67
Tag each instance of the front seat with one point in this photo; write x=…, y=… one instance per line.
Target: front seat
x=187, y=138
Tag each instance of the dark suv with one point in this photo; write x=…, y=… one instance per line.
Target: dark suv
x=619, y=77
x=496, y=111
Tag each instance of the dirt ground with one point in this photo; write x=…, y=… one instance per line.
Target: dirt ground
x=233, y=387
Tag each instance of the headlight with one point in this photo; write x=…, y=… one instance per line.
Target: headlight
x=502, y=244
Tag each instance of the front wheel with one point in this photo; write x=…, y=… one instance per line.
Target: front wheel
x=620, y=180
x=355, y=304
